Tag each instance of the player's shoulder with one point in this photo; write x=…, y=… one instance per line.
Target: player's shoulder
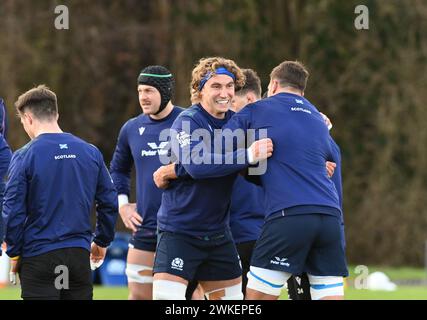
x=24, y=150
x=192, y=112
x=262, y=103
x=134, y=121
x=75, y=140
x=178, y=109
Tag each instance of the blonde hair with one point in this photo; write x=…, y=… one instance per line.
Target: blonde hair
x=210, y=64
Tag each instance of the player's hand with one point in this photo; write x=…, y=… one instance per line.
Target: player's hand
x=97, y=256
x=13, y=271
x=330, y=168
x=327, y=121
x=163, y=175
x=130, y=217
x=260, y=150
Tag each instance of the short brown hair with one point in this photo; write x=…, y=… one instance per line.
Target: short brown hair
x=252, y=83
x=41, y=101
x=291, y=74
x=206, y=65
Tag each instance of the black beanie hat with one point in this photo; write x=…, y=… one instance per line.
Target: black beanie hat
x=160, y=78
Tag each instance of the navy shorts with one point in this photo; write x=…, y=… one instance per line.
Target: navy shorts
x=211, y=258
x=144, y=239
x=295, y=244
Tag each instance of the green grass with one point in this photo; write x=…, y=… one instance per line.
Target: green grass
x=400, y=273
x=121, y=293
x=99, y=293
x=402, y=293
x=395, y=274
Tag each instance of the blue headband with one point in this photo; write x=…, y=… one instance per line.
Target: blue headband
x=220, y=70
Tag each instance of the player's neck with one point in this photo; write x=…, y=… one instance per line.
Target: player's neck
x=165, y=112
x=290, y=90
x=48, y=127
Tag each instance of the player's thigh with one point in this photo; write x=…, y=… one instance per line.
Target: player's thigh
x=169, y=277
x=215, y=285
x=80, y=275
x=265, y=283
x=179, y=255
x=220, y=273
x=37, y=276
x=140, y=257
x=167, y=286
x=284, y=243
x=327, y=255
x=139, y=271
x=223, y=289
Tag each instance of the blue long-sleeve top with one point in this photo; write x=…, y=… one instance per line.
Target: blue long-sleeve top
x=53, y=183
x=3, y=119
x=198, y=203
x=296, y=179
x=140, y=144
x=247, y=211
x=337, y=177
x=5, y=156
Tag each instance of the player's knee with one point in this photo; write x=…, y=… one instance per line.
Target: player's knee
x=168, y=290
x=229, y=293
x=325, y=286
x=267, y=281
x=139, y=273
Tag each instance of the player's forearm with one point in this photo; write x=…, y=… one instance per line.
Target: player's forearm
x=217, y=165
x=104, y=233
x=14, y=241
x=121, y=182
x=169, y=172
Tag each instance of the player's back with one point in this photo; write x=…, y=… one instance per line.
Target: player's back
x=296, y=173
x=62, y=178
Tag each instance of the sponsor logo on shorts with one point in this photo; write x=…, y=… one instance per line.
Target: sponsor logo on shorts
x=280, y=261
x=177, y=264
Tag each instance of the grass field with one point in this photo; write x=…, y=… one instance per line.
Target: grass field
x=395, y=274
x=120, y=293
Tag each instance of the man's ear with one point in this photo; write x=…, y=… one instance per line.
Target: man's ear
x=250, y=97
x=25, y=116
x=275, y=86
